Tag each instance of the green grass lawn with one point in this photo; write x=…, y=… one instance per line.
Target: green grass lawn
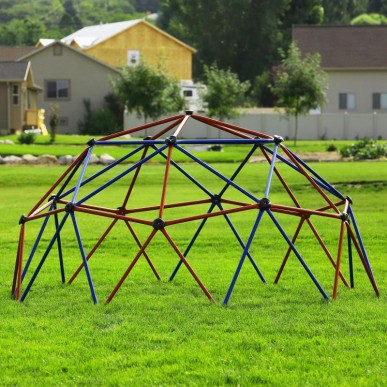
x=75, y=144
x=168, y=333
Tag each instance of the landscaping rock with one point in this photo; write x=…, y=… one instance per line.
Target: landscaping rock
x=1, y=160
x=13, y=160
x=29, y=159
x=9, y=142
x=65, y=160
x=106, y=159
x=93, y=159
x=47, y=159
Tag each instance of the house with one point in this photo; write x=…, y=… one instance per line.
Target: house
x=18, y=97
x=126, y=43
x=68, y=77
x=355, y=60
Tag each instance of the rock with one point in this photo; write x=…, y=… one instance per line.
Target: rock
x=65, y=160
x=47, y=159
x=1, y=160
x=29, y=159
x=93, y=159
x=13, y=160
x=9, y=142
x=106, y=159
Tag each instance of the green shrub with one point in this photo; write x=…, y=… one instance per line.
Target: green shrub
x=27, y=138
x=331, y=148
x=365, y=149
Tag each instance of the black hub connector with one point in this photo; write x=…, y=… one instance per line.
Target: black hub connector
x=278, y=139
x=349, y=200
x=216, y=199
x=264, y=204
x=69, y=207
x=91, y=142
x=22, y=219
x=345, y=217
x=147, y=138
x=158, y=224
x=170, y=140
x=189, y=112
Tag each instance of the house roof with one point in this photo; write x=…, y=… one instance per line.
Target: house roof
x=8, y=53
x=90, y=36
x=14, y=71
x=79, y=52
x=344, y=46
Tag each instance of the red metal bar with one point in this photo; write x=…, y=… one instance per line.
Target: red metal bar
x=130, y=267
x=142, y=127
x=339, y=252
x=16, y=284
x=82, y=155
x=213, y=122
x=113, y=216
x=145, y=253
x=52, y=212
x=302, y=170
x=181, y=256
x=92, y=251
x=302, y=220
x=360, y=253
x=328, y=254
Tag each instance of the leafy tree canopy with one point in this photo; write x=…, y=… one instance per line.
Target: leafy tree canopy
x=300, y=84
x=148, y=92
x=224, y=92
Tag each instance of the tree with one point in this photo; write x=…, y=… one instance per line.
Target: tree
x=369, y=19
x=224, y=92
x=148, y=91
x=300, y=84
x=242, y=36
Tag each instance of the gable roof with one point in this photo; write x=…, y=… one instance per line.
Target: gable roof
x=9, y=53
x=79, y=52
x=344, y=46
x=14, y=71
x=90, y=36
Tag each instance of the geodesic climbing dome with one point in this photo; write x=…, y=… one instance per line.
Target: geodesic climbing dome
x=79, y=195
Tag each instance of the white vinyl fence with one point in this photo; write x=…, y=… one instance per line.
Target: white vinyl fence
x=325, y=126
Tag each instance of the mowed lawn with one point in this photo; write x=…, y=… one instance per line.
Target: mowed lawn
x=169, y=333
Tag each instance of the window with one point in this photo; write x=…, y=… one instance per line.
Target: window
x=133, y=57
x=15, y=94
x=347, y=101
x=58, y=89
x=379, y=101
x=188, y=93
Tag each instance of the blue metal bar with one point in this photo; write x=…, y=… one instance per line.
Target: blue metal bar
x=191, y=243
x=243, y=245
x=295, y=251
x=225, y=141
x=59, y=243
x=79, y=182
x=121, y=175
x=85, y=264
x=328, y=188
x=252, y=150
x=362, y=247
x=241, y=165
x=110, y=166
x=350, y=260
x=270, y=177
x=186, y=174
x=37, y=270
x=34, y=247
x=215, y=172
x=245, y=251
